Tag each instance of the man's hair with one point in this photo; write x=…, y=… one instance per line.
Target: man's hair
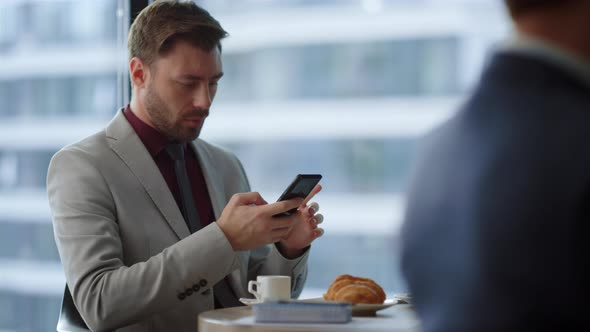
x=519, y=7
x=162, y=23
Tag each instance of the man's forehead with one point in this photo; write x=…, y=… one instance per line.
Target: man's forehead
x=183, y=48
x=190, y=60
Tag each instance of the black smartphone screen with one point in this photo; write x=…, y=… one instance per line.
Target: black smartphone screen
x=300, y=187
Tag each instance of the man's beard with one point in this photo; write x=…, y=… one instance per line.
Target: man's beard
x=164, y=121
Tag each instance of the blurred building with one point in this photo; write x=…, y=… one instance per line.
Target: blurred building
x=339, y=87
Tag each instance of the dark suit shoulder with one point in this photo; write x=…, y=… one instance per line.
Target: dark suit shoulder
x=513, y=69
x=501, y=192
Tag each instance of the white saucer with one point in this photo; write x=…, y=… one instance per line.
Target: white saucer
x=247, y=301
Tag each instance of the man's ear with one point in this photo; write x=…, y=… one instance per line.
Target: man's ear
x=138, y=72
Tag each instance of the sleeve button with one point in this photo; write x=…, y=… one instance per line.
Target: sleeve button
x=196, y=288
x=181, y=296
x=189, y=292
x=203, y=282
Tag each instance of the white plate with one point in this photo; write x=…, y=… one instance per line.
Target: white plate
x=361, y=309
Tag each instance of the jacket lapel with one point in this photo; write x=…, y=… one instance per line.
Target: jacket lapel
x=127, y=145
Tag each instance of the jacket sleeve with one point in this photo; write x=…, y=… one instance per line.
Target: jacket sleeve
x=268, y=260
x=107, y=293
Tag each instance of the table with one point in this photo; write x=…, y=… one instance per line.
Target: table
x=398, y=318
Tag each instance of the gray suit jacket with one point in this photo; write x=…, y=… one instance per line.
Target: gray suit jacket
x=127, y=253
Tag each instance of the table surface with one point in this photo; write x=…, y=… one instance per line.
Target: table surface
x=400, y=317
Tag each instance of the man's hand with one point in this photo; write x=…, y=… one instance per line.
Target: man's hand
x=305, y=230
x=247, y=220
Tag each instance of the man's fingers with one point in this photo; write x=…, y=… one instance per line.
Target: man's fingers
x=318, y=232
x=313, y=208
x=318, y=219
x=310, y=210
x=248, y=199
x=282, y=206
x=283, y=222
x=315, y=190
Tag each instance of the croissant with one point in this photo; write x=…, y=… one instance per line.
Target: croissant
x=347, y=288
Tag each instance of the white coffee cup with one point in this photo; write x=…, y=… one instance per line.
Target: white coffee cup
x=271, y=288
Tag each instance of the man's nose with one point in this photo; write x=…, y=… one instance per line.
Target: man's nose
x=202, y=97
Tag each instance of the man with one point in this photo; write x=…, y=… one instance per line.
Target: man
x=497, y=223
x=153, y=228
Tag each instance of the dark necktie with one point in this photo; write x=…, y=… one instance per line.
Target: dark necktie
x=189, y=212
x=224, y=296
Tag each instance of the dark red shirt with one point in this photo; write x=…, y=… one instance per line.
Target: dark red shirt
x=155, y=143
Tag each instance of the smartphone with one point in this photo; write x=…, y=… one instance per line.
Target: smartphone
x=300, y=187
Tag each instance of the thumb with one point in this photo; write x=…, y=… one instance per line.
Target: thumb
x=248, y=199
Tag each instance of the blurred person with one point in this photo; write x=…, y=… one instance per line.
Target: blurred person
x=152, y=224
x=497, y=225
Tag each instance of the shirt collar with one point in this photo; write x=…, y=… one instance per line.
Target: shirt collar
x=153, y=140
x=572, y=63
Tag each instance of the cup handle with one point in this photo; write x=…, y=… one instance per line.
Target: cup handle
x=251, y=289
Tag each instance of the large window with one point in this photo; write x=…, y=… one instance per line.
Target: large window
x=344, y=88
x=408, y=67
x=61, y=78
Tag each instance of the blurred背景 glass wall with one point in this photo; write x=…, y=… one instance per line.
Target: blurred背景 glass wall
x=344, y=88
x=62, y=76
